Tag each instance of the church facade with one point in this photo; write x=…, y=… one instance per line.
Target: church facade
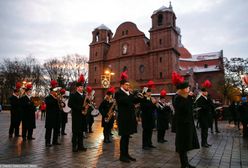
x=145, y=59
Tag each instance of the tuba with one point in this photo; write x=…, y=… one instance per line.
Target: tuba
x=111, y=112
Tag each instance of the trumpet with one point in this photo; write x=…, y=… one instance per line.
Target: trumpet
x=111, y=112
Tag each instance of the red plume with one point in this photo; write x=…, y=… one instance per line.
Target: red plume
x=89, y=89
x=29, y=86
x=111, y=90
x=150, y=84
x=177, y=78
x=54, y=83
x=163, y=93
x=81, y=79
x=18, y=85
x=124, y=75
x=206, y=84
x=62, y=91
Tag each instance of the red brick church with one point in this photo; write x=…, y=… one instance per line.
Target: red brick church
x=153, y=58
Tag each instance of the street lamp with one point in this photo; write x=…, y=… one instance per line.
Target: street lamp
x=106, y=78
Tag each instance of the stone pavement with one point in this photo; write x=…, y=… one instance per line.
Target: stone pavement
x=228, y=149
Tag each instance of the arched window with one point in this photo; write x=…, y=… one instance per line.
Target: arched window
x=160, y=19
x=97, y=36
x=141, y=68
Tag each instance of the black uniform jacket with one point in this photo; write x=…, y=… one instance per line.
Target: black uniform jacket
x=27, y=112
x=148, y=113
x=163, y=116
x=126, y=118
x=75, y=102
x=104, y=109
x=186, y=137
x=205, y=111
x=52, y=112
x=15, y=108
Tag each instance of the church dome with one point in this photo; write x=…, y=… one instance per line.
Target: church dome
x=102, y=27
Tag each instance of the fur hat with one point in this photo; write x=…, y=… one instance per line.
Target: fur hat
x=111, y=91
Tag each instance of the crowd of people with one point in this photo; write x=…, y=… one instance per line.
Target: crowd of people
x=128, y=107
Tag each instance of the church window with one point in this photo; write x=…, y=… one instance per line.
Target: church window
x=123, y=33
x=160, y=75
x=160, y=41
x=97, y=36
x=95, y=80
x=124, y=49
x=96, y=54
x=160, y=19
x=141, y=68
x=160, y=59
x=205, y=65
x=126, y=32
x=95, y=68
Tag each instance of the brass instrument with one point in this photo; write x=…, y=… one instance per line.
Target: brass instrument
x=110, y=113
x=58, y=96
x=85, y=105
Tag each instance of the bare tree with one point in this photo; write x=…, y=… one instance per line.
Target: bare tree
x=67, y=70
x=235, y=68
x=14, y=71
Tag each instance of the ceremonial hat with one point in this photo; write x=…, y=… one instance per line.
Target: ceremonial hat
x=179, y=81
x=80, y=81
x=205, y=85
x=123, y=78
x=163, y=93
x=111, y=91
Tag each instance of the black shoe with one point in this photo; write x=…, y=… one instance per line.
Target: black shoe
x=74, y=150
x=217, y=131
x=24, y=139
x=146, y=148
x=82, y=149
x=31, y=138
x=165, y=140
x=208, y=144
x=131, y=158
x=190, y=166
x=56, y=143
x=205, y=146
x=48, y=145
x=64, y=133
x=90, y=131
x=17, y=136
x=10, y=136
x=124, y=159
x=151, y=146
x=160, y=141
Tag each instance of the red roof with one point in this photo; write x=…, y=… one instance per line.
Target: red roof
x=184, y=53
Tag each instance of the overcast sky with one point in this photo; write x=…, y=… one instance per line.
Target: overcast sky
x=55, y=28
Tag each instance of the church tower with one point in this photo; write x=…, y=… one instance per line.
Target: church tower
x=164, y=43
x=98, y=52
x=99, y=48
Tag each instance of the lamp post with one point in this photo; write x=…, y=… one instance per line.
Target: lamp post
x=106, y=78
